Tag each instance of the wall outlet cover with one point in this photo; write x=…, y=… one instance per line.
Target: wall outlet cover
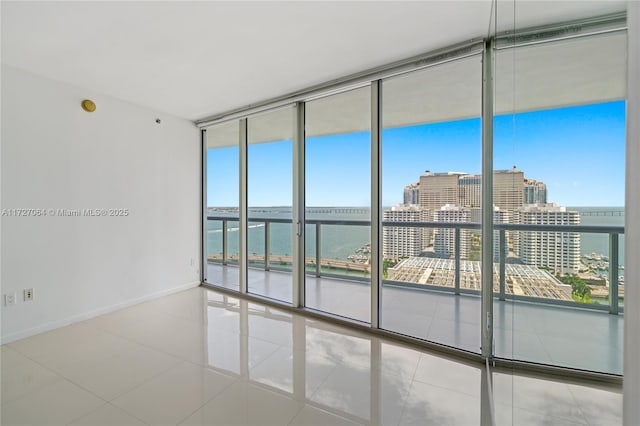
x=10, y=299
x=28, y=294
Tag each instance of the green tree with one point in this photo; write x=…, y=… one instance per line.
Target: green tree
x=386, y=264
x=580, y=291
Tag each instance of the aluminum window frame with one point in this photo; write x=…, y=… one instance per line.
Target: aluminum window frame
x=486, y=46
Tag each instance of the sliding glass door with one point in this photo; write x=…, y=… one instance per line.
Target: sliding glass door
x=432, y=183
x=269, y=192
x=338, y=179
x=222, y=239
x=560, y=182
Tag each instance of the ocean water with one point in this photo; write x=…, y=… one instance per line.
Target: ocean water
x=336, y=242
x=599, y=243
x=340, y=241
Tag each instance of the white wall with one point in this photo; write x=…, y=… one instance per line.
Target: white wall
x=54, y=156
x=632, y=226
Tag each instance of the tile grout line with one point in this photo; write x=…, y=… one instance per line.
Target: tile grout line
x=579, y=405
x=61, y=377
x=70, y=423
x=173, y=367
x=49, y=370
x=413, y=379
x=223, y=390
x=108, y=401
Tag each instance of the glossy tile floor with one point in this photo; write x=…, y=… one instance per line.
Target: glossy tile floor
x=202, y=358
x=534, y=332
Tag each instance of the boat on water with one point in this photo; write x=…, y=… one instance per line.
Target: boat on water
x=358, y=258
x=592, y=256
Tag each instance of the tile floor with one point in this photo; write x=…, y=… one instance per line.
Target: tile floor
x=202, y=358
x=534, y=332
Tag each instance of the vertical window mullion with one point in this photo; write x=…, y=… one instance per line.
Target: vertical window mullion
x=203, y=191
x=487, y=200
x=376, y=216
x=243, y=210
x=298, y=234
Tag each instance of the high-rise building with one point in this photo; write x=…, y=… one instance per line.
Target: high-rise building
x=470, y=191
x=412, y=193
x=438, y=189
x=558, y=251
x=534, y=192
x=508, y=188
x=476, y=214
x=398, y=241
x=500, y=216
x=444, y=238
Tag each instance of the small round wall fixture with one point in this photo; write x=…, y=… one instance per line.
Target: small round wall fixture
x=88, y=105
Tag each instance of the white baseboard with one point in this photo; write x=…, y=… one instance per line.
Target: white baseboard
x=92, y=314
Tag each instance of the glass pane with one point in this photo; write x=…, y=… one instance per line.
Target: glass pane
x=560, y=137
x=431, y=160
x=269, y=195
x=338, y=179
x=222, y=199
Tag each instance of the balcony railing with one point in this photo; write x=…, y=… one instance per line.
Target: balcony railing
x=315, y=264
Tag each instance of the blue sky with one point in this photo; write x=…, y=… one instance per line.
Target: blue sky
x=577, y=151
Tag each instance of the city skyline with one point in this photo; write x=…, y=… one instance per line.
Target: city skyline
x=577, y=151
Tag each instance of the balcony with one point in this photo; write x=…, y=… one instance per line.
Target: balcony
x=534, y=321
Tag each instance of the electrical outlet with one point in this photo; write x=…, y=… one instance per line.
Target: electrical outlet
x=10, y=299
x=28, y=294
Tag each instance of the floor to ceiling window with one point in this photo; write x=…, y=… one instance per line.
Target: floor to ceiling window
x=338, y=194
x=222, y=239
x=557, y=209
x=269, y=192
x=431, y=174
x=559, y=156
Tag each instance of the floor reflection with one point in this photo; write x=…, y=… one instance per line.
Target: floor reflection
x=341, y=376
x=534, y=332
x=199, y=357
